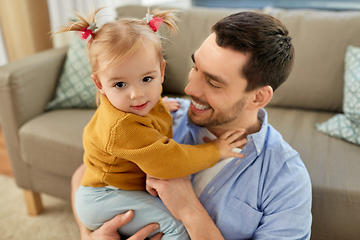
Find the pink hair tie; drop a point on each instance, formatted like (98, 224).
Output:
(87, 32)
(154, 22)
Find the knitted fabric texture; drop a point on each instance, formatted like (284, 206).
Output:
(121, 148)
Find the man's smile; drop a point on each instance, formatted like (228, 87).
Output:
(197, 107)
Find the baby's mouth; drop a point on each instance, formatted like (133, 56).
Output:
(141, 106)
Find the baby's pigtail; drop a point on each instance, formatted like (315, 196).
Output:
(169, 18)
(85, 25)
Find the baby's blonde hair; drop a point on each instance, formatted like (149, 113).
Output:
(116, 41)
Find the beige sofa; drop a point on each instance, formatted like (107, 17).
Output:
(45, 147)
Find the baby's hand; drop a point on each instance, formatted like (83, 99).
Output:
(172, 105)
(228, 141)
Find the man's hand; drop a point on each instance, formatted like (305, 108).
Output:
(177, 194)
(179, 197)
(108, 231)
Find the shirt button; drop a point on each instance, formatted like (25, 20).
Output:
(161, 109)
(259, 150)
(211, 189)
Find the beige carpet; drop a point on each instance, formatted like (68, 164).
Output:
(56, 222)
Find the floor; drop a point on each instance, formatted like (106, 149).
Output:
(5, 166)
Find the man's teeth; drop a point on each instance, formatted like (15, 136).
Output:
(199, 106)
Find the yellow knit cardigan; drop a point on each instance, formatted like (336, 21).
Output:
(121, 148)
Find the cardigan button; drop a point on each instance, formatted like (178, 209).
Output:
(161, 109)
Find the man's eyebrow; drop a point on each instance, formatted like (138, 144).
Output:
(216, 78)
(192, 57)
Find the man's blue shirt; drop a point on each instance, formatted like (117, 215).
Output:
(265, 195)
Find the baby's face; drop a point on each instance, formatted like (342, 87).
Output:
(134, 86)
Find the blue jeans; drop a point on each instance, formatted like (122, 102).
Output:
(95, 206)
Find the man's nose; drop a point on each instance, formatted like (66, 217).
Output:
(137, 93)
(194, 87)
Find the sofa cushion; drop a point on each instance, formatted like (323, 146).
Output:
(75, 88)
(341, 127)
(333, 165)
(320, 39)
(53, 141)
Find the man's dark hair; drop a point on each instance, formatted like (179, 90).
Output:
(267, 41)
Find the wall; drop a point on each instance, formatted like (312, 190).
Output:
(309, 4)
(25, 27)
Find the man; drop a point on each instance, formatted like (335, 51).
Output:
(265, 195)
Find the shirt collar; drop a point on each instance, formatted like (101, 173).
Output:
(258, 138)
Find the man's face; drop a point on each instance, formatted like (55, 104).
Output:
(216, 87)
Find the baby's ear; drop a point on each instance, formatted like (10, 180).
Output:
(162, 69)
(97, 83)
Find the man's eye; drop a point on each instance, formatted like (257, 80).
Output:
(147, 79)
(213, 85)
(195, 68)
(120, 85)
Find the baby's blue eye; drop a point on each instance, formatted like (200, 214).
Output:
(147, 79)
(120, 85)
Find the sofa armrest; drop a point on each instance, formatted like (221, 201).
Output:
(26, 86)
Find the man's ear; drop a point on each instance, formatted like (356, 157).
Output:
(97, 83)
(162, 69)
(262, 97)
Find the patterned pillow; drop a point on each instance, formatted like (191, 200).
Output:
(347, 126)
(352, 84)
(75, 88)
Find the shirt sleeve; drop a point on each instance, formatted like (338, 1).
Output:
(286, 203)
(159, 156)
